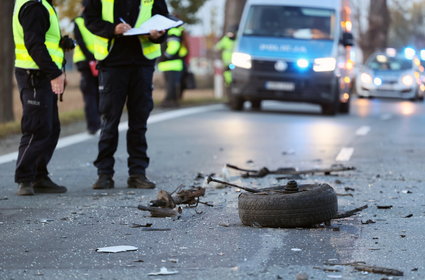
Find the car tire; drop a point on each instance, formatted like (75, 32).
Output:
(236, 103)
(312, 204)
(256, 105)
(329, 109)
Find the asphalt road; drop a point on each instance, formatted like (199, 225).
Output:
(56, 236)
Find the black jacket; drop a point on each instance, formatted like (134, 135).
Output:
(35, 22)
(126, 49)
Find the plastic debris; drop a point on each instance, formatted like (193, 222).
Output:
(163, 271)
(116, 249)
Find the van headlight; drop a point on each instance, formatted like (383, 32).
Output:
(407, 80)
(326, 64)
(242, 60)
(366, 79)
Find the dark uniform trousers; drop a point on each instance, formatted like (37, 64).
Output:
(40, 125)
(173, 83)
(90, 88)
(118, 85)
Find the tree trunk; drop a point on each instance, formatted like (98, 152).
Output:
(233, 13)
(6, 58)
(379, 21)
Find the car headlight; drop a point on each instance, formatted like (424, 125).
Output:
(407, 80)
(366, 79)
(242, 60)
(326, 64)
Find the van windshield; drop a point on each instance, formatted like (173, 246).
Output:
(290, 22)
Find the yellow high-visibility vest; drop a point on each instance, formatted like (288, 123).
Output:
(88, 39)
(52, 38)
(103, 45)
(174, 47)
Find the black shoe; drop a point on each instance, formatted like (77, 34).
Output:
(46, 185)
(140, 182)
(104, 181)
(25, 189)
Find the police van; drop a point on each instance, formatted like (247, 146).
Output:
(291, 50)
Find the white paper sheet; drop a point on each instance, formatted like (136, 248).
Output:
(157, 22)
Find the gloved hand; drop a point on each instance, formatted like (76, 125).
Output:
(67, 43)
(93, 68)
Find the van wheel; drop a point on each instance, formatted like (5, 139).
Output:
(344, 108)
(256, 105)
(236, 102)
(312, 204)
(329, 109)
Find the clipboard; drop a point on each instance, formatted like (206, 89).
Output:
(157, 22)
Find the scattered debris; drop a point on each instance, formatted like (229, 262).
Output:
(327, 269)
(141, 226)
(163, 271)
(116, 249)
(368, 222)
(210, 179)
(159, 212)
(296, 249)
(347, 189)
(189, 197)
(166, 203)
(156, 229)
(379, 270)
(409, 216)
(361, 266)
(350, 213)
(384, 206)
(288, 171)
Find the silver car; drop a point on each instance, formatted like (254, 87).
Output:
(393, 76)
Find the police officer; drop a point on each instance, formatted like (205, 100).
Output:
(39, 51)
(126, 66)
(226, 46)
(172, 63)
(86, 65)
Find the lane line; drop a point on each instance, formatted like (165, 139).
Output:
(155, 118)
(345, 154)
(362, 131)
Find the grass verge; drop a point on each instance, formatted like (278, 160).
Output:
(14, 127)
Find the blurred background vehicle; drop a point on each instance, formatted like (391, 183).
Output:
(391, 74)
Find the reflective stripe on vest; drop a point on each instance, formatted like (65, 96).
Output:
(52, 38)
(171, 65)
(175, 51)
(104, 45)
(88, 39)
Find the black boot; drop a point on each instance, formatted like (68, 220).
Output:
(46, 185)
(140, 182)
(104, 181)
(25, 189)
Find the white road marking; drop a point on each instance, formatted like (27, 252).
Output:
(155, 118)
(362, 131)
(345, 154)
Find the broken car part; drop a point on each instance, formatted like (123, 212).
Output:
(293, 206)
